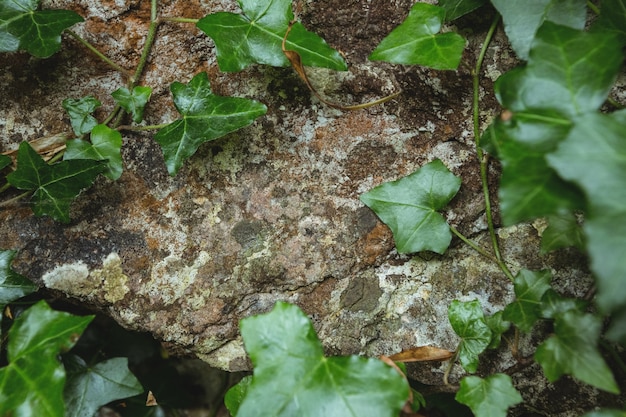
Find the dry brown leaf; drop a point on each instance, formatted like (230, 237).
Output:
(422, 354)
(47, 146)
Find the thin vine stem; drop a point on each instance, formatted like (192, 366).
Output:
(142, 128)
(179, 19)
(99, 54)
(482, 158)
(15, 199)
(147, 48)
(472, 244)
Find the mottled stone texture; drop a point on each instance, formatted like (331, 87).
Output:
(270, 212)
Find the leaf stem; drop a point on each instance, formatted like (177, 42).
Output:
(593, 7)
(472, 244)
(179, 19)
(5, 187)
(15, 199)
(143, 60)
(479, 152)
(99, 54)
(142, 128)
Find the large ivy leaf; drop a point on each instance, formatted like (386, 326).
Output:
(523, 18)
(133, 101)
(12, 284)
(292, 377)
(457, 8)
(417, 41)
(106, 144)
(87, 388)
(234, 397)
(23, 27)
(32, 383)
(54, 186)
(409, 207)
(206, 117)
(529, 287)
(563, 231)
(612, 19)
(468, 321)
(573, 350)
(594, 157)
(80, 111)
(489, 397)
(256, 36)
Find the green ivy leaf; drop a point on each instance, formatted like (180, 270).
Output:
(468, 321)
(523, 18)
(554, 304)
(256, 36)
(457, 8)
(12, 284)
(23, 27)
(409, 207)
(206, 117)
(612, 19)
(573, 350)
(594, 157)
(417, 41)
(498, 326)
(80, 111)
(89, 387)
(33, 381)
(292, 376)
(489, 397)
(106, 144)
(569, 72)
(5, 161)
(529, 287)
(563, 231)
(54, 186)
(134, 101)
(235, 395)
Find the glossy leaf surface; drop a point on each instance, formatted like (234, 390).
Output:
(134, 102)
(205, 117)
(594, 157)
(417, 41)
(573, 350)
(87, 388)
(80, 111)
(12, 284)
(23, 27)
(612, 19)
(523, 18)
(256, 36)
(54, 186)
(32, 383)
(292, 377)
(105, 145)
(563, 231)
(410, 205)
(457, 8)
(468, 321)
(498, 325)
(529, 287)
(489, 397)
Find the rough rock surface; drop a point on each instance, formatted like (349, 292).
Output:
(270, 212)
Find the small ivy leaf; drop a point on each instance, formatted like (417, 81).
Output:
(54, 186)
(105, 145)
(569, 71)
(12, 284)
(554, 304)
(612, 19)
(529, 287)
(573, 350)
(5, 161)
(293, 377)
(498, 326)
(206, 117)
(457, 8)
(256, 37)
(417, 41)
(594, 157)
(529, 187)
(522, 19)
(133, 102)
(89, 387)
(34, 378)
(468, 321)
(23, 27)
(563, 231)
(80, 111)
(409, 207)
(236, 394)
(489, 397)
(606, 413)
